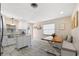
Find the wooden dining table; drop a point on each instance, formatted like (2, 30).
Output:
(56, 39)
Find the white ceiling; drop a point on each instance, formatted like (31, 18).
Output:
(44, 11)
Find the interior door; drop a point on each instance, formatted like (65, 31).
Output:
(1, 30)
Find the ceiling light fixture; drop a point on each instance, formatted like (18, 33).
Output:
(61, 12)
(34, 5)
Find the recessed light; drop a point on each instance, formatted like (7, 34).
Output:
(61, 12)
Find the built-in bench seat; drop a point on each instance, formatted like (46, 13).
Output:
(68, 49)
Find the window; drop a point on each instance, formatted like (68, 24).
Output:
(49, 29)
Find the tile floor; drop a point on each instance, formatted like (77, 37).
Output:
(37, 49)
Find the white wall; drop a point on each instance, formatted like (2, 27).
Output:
(37, 33)
(22, 25)
(62, 32)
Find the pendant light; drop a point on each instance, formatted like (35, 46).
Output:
(12, 21)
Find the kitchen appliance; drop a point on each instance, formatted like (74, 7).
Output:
(1, 31)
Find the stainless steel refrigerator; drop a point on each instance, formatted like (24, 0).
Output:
(1, 30)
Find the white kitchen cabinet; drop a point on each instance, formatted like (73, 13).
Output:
(23, 41)
(8, 41)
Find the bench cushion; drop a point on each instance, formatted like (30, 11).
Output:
(68, 46)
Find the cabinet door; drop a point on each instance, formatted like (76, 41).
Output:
(22, 41)
(11, 41)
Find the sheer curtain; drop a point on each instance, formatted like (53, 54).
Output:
(49, 29)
